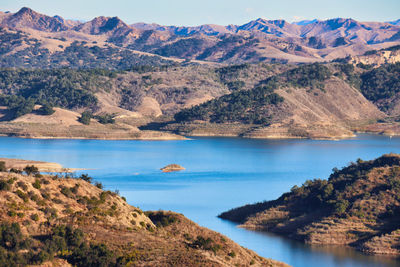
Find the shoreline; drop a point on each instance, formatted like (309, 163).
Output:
(43, 166)
(188, 137)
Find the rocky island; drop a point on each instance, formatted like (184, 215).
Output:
(172, 168)
(358, 206)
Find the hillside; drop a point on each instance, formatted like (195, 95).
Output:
(61, 221)
(357, 206)
(390, 55)
(38, 40)
(249, 100)
(314, 101)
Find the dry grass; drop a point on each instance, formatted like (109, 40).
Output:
(41, 203)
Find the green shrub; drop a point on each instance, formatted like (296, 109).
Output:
(22, 195)
(37, 184)
(93, 255)
(12, 213)
(162, 220)
(66, 191)
(31, 170)
(86, 178)
(15, 171)
(22, 185)
(341, 206)
(46, 109)
(3, 166)
(35, 217)
(85, 117)
(206, 244)
(11, 236)
(4, 186)
(99, 185)
(105, 118)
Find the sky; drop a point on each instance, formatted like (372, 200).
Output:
(222, 12)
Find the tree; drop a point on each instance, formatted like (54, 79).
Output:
(86, 178)
(85, 117)
(31, 170)
(46, 109)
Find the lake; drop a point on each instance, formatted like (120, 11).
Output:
(221, 173)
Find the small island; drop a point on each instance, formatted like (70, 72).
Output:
(172, 168)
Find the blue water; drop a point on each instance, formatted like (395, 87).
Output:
(221, 173)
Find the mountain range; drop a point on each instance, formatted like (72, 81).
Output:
(255, 41)
(153, 80)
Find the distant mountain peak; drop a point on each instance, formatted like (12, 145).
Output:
(336, 23)
(28, 18)
(60, 19)
(25, 10)
(102, 25)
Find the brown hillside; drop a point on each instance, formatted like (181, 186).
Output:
(357, 206)
(51, 209)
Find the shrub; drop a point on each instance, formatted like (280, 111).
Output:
(4, 186)
(37, 184)
(15, 171)
(66, 191)
(3, 166)
(46, 109)
(86, 178)
(35, 217)
(11, 236)
(31, 170)
(11, 213)
(162, 220)
(22, 185)
(93, 255)
(85, 117)
(105, 118)
(341, 206)
(22, 195)
(99, 185)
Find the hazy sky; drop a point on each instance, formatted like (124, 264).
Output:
(223, 12)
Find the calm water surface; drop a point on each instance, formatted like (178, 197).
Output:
(221, 173)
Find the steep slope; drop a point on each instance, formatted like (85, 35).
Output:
(62, 221)
(357, 206)
(377, 58)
